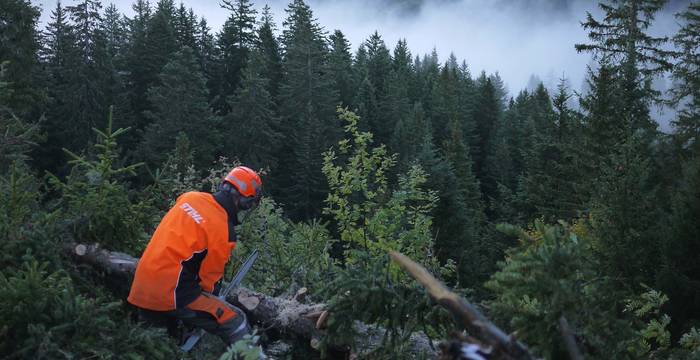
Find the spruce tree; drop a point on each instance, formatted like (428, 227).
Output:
(307, 108)
(185, 26)
(340, 67)
(19, 46)
(141, 74)
(205, 48)
(552, 162)
(623, 205)
(252, 130)
(379, 65)
(686, 71)
(180, 105)
(268, 48)
(234, 43)
(445, 110)
(408, 136)
(399, 84)
(94, 70)
(486, 117)
(621, 41)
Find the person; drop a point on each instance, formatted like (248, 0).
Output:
(178, 275)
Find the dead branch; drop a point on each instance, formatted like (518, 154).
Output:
(466, 313)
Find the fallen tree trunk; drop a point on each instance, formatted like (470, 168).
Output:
(288, 317)
(503, 346)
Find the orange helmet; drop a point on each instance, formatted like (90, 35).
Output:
(247, 183)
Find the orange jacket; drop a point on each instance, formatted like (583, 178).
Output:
(186, 254)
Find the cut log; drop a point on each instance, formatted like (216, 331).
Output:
(287, 316)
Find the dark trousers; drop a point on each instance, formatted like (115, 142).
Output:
(207, 312)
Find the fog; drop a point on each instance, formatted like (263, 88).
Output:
(516, 38)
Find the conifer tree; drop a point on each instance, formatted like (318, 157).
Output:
(181, 80)
(141, 75)
(552, 162)
(234, 43)
(19, 46)
(680, 275)
(621, 41)
(307, 108)
(445, 108)
(252, 132)
(408, 136)
(686, 71)
(340, 67)
(366, 105)
(185, 26)
(378, 71)
(269, 49)
(93, 72)
(114, 26)
(401, 78)
(623, 210)
(486, 117)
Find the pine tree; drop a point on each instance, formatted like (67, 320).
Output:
(366, 105)
(549, 187)
(398, 102)
(180, 105)
(686, 71)
(234, 43)
(408, 137)
(340, 67)
(486, 117)
(379, 64)
(269, 48)
(94, 70)
(114, 27)
(446, 108)
(253, 135)
(19, 46)
(680, 274)
(205, 48)
(307, 109)
(621, 42)
(185, 26)
(623, 207)
(141, 74)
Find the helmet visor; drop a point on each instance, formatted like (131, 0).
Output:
(249, 202)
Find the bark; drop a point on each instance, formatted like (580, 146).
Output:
(287, 316)
(468, 315)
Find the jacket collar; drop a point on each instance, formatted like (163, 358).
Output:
(224, 199)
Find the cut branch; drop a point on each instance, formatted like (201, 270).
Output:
(466, 313)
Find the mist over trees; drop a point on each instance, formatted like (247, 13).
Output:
(532, 207)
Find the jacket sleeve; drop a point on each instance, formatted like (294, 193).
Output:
(212, 268)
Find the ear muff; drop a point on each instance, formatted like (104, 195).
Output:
(242, 202)
(248, 202)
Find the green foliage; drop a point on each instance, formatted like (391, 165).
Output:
(553, 275)
(244, 349)
(24, 228)
(292, 255)
(44, 317)
(371, 219)
(180, 79)
(95, 201)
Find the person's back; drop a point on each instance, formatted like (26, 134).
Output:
(176, 276)
(189, 246)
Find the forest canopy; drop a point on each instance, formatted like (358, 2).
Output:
(536, 205)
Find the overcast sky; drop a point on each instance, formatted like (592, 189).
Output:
(517, 38)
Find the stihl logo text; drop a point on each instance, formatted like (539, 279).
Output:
(192, 213)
